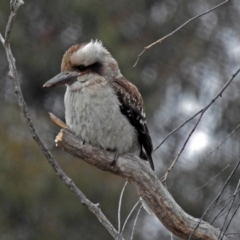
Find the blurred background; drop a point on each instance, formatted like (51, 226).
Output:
(177, 78)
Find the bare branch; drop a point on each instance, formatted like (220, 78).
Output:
(149, 187)
(219, 94)
(228, 165)
(232, 201)
(234, 213)
(202, 111)
(119, 207)
(222, 211)
(129, 215)
(94, 208)
(2, 39)
(57, 121)
(14, 6)
(164, 178)
(223, 141)
(216, 199)
(177, 29)
(176, 129)
(218, 204)
(135, 222)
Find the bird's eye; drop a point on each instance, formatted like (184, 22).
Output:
(81, 68)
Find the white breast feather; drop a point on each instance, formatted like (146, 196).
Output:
(94, 115)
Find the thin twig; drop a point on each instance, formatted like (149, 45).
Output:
(223, 141)
(94, 208)
(14, 6)
(129, 215)
(135, 222)
(232, 201)
(176, 129)
(214, 202)
(164, 178)
(177, 29)
(232, 234)
(219, 94)
(218, 204)
(234, 213)
(223, 188)
(222, 212)
(2, 39)
(202, 111)
(57, 121)
(204, 185)
(119, 206)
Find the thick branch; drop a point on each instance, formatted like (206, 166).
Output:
(147, 184)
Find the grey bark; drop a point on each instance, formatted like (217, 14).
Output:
(149, 187)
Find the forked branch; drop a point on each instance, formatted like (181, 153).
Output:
(149, 187)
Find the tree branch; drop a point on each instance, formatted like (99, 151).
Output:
(201, 112)
(148, 186)
(94, 208)
(177, 29)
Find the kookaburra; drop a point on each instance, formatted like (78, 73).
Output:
(102, 107)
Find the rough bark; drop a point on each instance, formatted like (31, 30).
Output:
(149, 187)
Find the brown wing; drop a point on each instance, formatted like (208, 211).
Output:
(131, 105)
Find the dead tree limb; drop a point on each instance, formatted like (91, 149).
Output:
(148, 186)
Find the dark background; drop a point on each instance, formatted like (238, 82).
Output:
(176, 78)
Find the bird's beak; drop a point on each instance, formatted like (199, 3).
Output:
(62, 79)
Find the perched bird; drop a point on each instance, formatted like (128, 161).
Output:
(101, 106)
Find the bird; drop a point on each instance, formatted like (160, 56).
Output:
(102, 107)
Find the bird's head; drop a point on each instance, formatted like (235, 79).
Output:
(83, 61)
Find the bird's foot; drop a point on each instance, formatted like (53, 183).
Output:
(114, 161)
